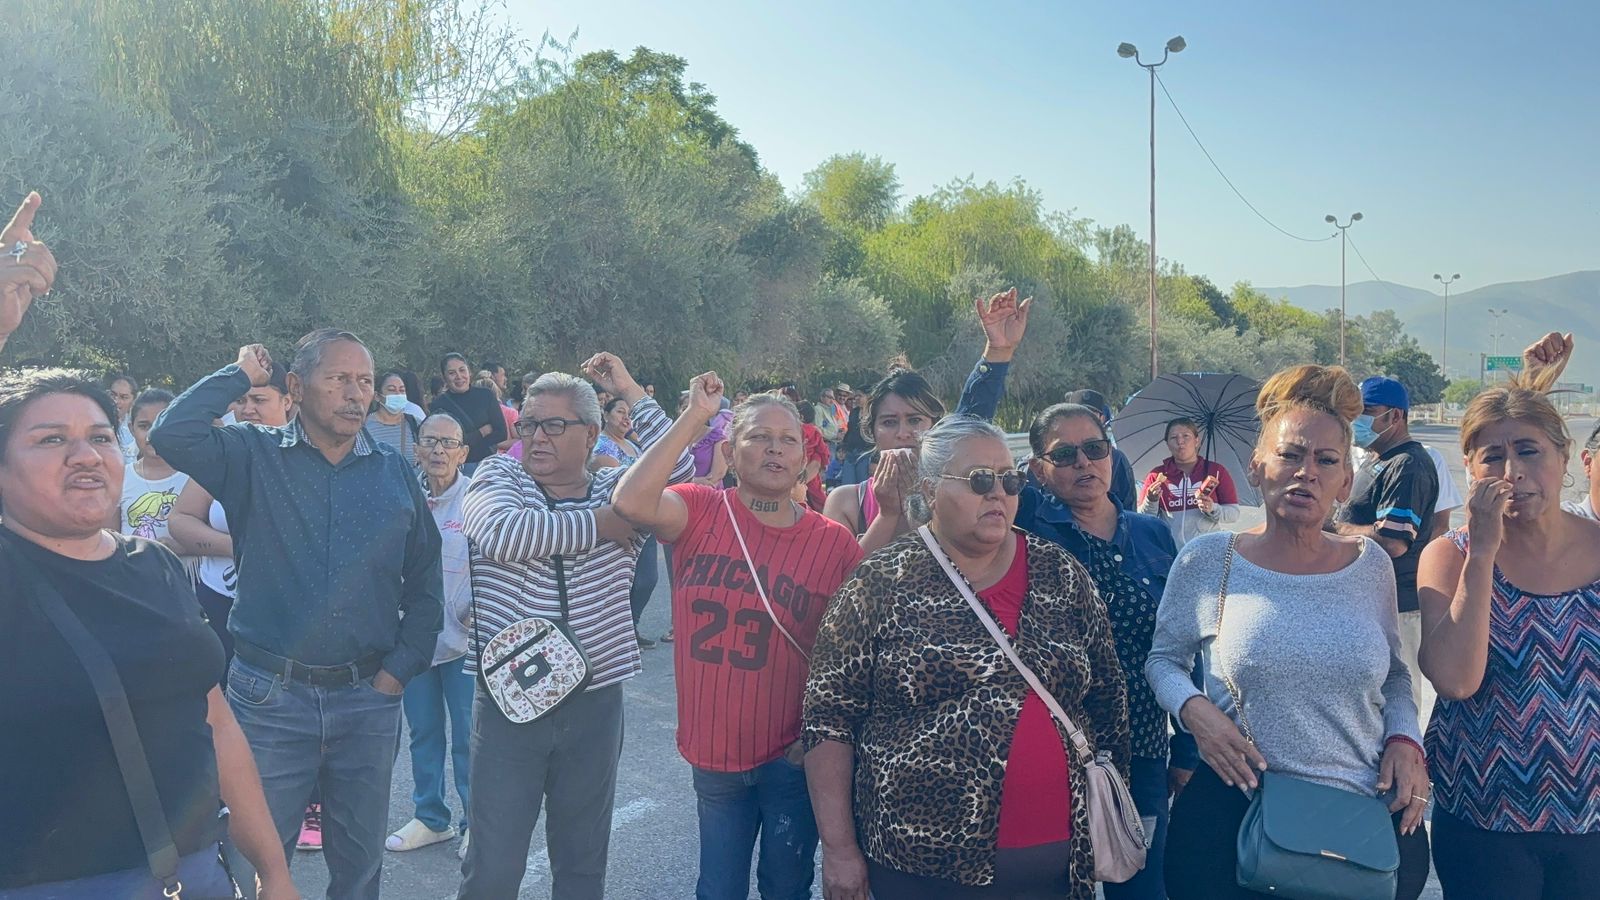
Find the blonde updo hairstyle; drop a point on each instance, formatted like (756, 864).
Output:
(1325, 389)
(1524, 399)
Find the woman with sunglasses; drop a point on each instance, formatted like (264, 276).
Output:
(1128, 555)
(935, 771)
(903, 406)
(1195, 495)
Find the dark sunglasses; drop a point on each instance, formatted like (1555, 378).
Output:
(982, 481)
(1067, 454)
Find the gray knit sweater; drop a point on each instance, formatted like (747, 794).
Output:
(1316, 659)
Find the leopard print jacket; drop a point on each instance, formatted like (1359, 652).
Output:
(906, 674)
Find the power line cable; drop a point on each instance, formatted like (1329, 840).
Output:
(1386, 285)
(1229, 181)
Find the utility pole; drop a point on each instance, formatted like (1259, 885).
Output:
(1129, 51)
(1344, 242)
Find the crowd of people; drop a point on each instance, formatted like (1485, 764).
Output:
(893, 640)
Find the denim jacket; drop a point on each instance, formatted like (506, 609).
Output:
(1147, 551)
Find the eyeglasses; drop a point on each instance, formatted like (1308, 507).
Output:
(429, 443)
(554, 427)
(1067, 454)
(982, 481)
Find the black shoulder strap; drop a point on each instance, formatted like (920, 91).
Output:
(159, 848)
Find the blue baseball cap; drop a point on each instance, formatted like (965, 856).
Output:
(1380, 391)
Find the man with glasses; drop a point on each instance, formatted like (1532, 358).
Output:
(544, 538)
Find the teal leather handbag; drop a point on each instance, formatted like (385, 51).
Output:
(1307, 841)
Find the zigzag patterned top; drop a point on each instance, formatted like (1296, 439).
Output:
(1523, 753)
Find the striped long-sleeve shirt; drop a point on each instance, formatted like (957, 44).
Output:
(519, 536)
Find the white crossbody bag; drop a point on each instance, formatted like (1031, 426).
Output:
(755, 577)
(1116, 833)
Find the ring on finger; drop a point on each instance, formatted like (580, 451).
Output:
(18, 250)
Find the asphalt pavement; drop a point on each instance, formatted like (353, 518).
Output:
(653, 844)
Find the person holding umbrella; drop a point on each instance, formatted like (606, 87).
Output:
(1192, 494)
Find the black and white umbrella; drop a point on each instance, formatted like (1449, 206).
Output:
(1223, 405)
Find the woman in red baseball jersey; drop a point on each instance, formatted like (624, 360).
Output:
(752, 572)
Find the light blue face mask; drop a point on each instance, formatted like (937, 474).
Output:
(395, 402)
(1364, 436)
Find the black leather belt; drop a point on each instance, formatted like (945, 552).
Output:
(320, 676)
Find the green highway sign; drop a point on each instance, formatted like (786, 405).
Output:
(1503, 363)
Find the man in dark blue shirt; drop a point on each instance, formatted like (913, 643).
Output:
(340, 588)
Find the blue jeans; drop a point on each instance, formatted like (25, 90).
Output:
(1148, 785)
(444, 687)
(735, 807)
(644, 579)
(346, 738)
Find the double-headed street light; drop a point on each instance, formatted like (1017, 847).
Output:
(1343, 242)
(1444, 330)
(1129, 51)
(1497, 315)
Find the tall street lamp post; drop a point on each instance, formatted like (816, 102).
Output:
(1343, 243)
(1497, 315)
(1129, 51)
(1444, 330)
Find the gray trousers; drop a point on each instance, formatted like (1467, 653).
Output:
(568, 760)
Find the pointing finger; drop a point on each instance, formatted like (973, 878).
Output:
(21, 226)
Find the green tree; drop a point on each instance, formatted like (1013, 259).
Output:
(911, 262)
(292, 129)
(146, 283)
(1416, 370)
(1462, 390)
(855, 196)
(853, 191)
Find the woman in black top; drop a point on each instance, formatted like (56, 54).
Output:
(70, 819)
(476, 408)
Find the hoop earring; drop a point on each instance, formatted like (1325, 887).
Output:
(1568, 481)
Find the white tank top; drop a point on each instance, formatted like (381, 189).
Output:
(217, 572)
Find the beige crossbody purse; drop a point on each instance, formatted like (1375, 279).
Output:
(1116, 833)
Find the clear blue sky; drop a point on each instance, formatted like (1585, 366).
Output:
(1466, 132)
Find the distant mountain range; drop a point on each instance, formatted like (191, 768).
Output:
(1568, 302)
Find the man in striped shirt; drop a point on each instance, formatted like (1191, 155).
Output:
(540, 527)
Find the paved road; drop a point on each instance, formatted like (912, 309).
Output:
(653, 847)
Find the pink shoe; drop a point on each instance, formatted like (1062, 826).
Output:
(311, 829)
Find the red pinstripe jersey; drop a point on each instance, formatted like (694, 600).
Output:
(740, 682)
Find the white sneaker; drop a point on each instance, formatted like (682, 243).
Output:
(461, 851)
(414, 835)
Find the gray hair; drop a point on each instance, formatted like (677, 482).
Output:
(938, 448)
(745, 413)
(309, 351)
(559, 384)
(444, 417)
